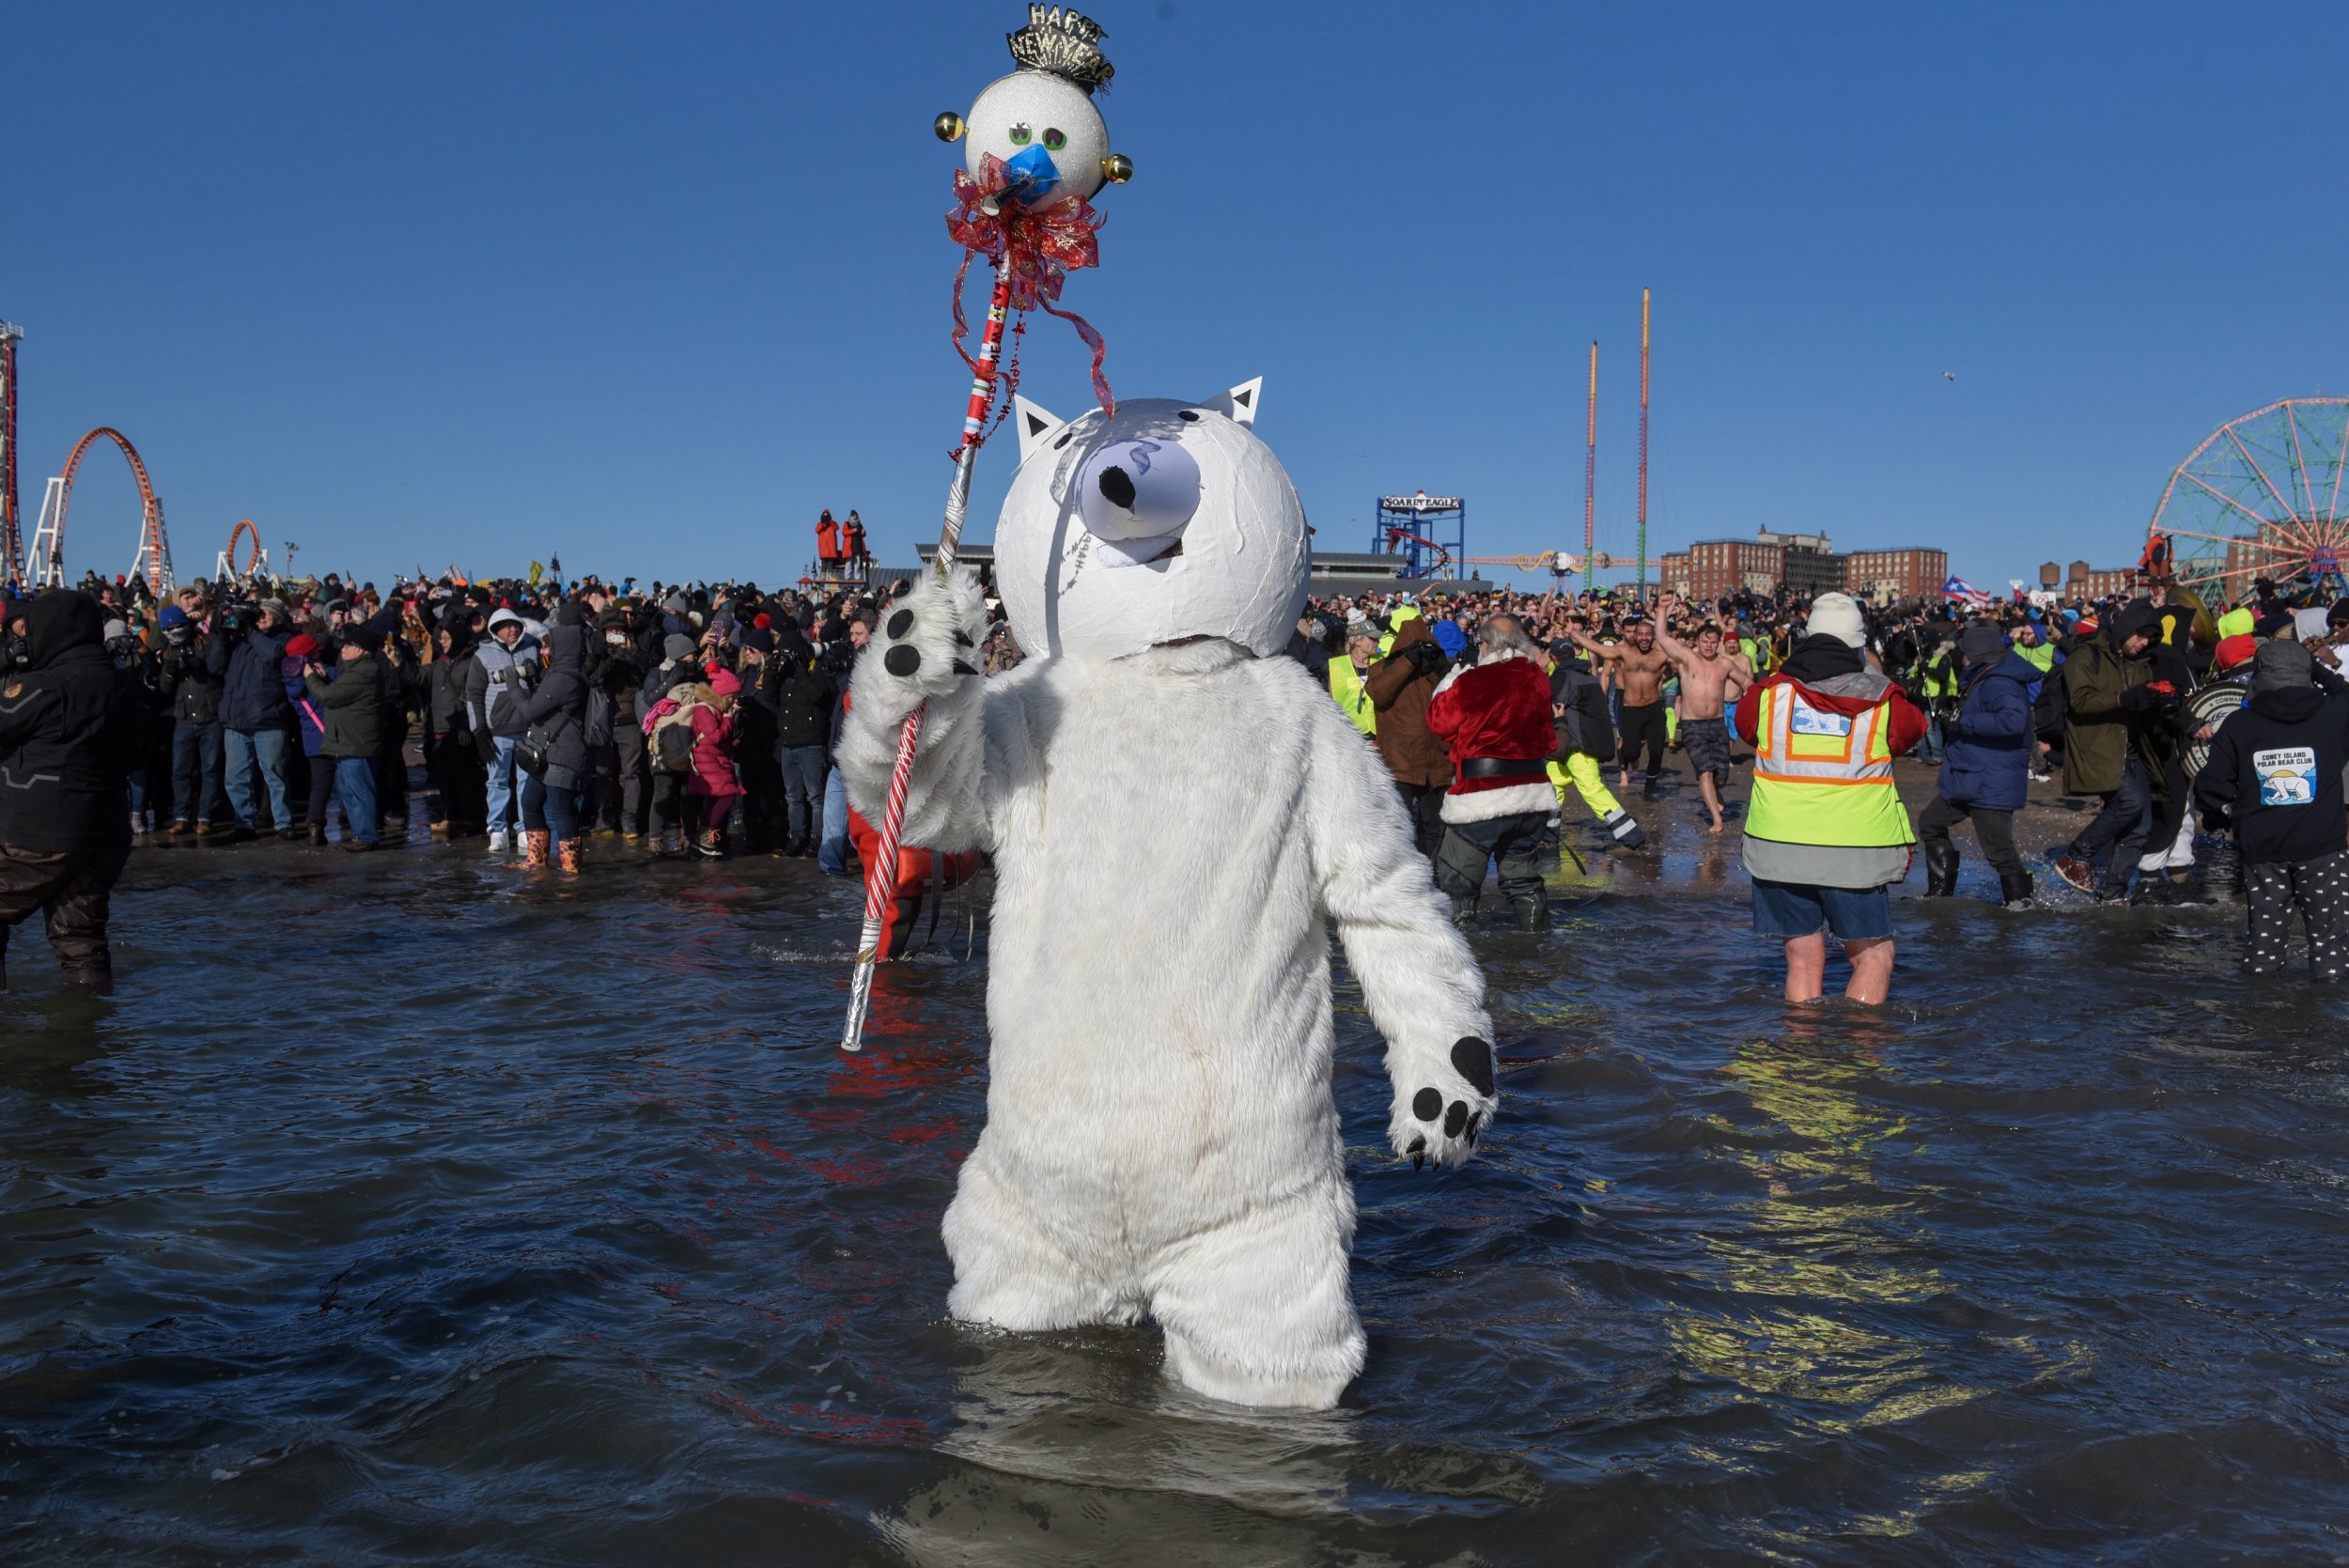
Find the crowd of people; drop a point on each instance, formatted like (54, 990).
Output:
(699, 720)
(2201, 734)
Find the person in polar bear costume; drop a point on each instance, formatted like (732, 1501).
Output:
(1175, 816)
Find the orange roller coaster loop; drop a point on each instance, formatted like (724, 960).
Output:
(252, 536)
(154, 554)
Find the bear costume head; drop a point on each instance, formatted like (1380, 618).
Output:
(1165, 523)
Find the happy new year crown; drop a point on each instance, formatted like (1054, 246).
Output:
(1059, 39)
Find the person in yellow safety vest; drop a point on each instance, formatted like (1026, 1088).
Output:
(1346, 670)
(1394, 623)
(1826, 833)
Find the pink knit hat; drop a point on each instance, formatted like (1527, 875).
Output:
(723, 683)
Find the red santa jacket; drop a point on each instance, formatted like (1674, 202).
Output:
(1496, 718)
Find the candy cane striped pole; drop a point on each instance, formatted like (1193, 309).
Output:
(880, 877)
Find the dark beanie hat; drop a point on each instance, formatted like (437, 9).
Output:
(2281, 667)
(1980, 643)
(757, 637)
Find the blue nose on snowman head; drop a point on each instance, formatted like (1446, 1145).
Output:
(1031, 174)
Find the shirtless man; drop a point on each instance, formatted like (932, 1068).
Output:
(1641, 665)
(1710, 680)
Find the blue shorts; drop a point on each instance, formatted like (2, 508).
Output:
(1787, 909)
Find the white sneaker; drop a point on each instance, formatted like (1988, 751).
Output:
(499, 842)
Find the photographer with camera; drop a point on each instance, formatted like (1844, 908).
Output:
(246, 652)
(199, 801)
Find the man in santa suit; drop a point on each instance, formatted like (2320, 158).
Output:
(1495, 717)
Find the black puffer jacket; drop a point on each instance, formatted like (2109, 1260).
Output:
(72, 728)
(559, 705)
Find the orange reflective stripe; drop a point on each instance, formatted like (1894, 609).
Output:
(1819, 779)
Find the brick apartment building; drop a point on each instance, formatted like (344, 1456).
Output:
(1883, 576)
(2093, 583)
(1806, 563)
(1711, 567)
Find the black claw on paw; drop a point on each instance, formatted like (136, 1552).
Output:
(1475, 1120)
(1418, 1160)
(963, 667)
(1428, 1104)
(1456, 1118)
(902, 660)
(901, 623)
(1474, 1061)
(1419, 1145)
(963, 637)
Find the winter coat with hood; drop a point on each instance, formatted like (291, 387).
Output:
(713, 749)
(252, 693)
(72, 728)
(1400, 686)
(2276, 765)
(2111, 712)
(559, 705)
(352, 700)
(2101, 731)
(498, 682)
(444, 712)
(1986, 761)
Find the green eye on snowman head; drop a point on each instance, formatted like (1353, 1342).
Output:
(1020, 133)
(1054, 138)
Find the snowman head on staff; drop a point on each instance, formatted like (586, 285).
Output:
(1039, 123)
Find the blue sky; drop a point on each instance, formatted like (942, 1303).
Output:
(648, 286)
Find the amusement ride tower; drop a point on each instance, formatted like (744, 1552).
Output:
(11, 540)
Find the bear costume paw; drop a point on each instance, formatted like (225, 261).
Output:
(1440, 1110)
(929, 642)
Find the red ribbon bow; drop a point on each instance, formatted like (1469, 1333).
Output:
(1044, 245)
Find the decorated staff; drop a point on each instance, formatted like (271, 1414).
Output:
(1036, 152)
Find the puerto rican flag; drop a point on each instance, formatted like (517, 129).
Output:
(1958, 588)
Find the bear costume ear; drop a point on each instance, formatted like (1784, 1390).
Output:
(1034, 424)
(1240, 404)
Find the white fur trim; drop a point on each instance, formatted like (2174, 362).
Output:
(1508, 801)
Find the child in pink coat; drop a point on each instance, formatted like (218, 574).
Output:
(712, 781)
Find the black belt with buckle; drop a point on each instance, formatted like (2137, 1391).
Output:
(1506, 768)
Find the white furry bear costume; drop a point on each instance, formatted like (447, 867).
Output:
(1174, 814)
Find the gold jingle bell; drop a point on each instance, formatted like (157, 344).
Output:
(949, 127)
(1117, 168)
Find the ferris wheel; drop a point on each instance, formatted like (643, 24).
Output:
(2261, 497)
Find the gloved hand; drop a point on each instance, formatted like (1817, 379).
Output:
(1426, 657)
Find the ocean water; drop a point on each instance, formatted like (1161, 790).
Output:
(411, 1209)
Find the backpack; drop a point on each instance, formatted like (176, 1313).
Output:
(2051, 708)
(598, 726)
(669, 736)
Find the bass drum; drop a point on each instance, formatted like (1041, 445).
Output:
(2209, 704)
